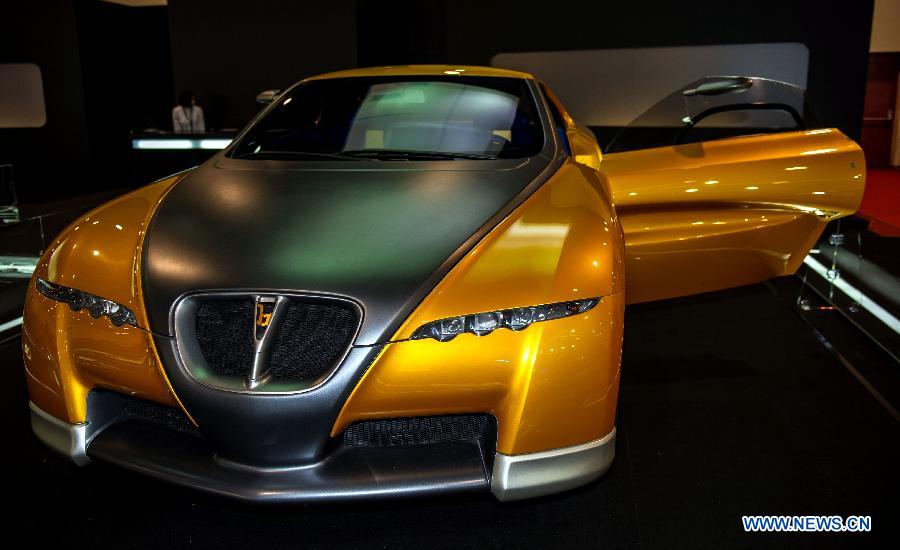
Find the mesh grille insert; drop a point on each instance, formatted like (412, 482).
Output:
(225, 335)
(158, 414)
(307, 342)
(310, 339)
(422, 430)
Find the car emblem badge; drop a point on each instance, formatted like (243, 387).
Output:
(264, 314)
(267, 311)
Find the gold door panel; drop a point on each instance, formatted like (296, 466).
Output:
(718, 214)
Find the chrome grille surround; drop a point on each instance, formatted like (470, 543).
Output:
(256, 377)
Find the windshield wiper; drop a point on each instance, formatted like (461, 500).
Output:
(392, 154)
(282, 155)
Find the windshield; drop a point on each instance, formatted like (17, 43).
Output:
(399, 118)
(716, 107)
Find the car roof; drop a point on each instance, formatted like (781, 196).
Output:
(422, 70)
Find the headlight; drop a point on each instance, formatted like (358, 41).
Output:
(480, 324)
(77, 300)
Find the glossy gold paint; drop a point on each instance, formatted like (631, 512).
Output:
(422, 70)
(724, 213)
(585, 149)
(695, 218)
(69, 353)
(561, 244)
(550, 385)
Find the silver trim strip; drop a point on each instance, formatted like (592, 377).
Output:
(262, 345)
(10, 324)
(69, 440)
(531, 475)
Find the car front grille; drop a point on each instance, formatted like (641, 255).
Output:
(419, 430)
(309, 340)
(225, 335)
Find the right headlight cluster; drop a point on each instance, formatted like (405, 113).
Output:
(96, 306)
(518, 318)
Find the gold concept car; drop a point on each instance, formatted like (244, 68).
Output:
(409, 280)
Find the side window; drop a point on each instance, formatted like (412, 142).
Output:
(735, 122)
(559, 125)
(717, 107)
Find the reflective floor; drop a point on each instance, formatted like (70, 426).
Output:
(858, 272)
(732, 403)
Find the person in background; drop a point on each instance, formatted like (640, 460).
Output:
(187, 116)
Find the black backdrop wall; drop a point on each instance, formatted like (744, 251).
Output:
(241, 49)
(227, 52)
(108, 68)
(127, 72)
(56, 154)
(836, 34)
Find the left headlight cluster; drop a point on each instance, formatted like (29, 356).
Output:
(518, 318)
(96, 306)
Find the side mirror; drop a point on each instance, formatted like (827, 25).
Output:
(267, 96)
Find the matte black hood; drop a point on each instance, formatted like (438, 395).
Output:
(380, 232)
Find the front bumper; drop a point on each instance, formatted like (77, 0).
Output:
(180, 455)
(530, 475)
(69, 440)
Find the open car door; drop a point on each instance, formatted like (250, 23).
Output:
(728, 181)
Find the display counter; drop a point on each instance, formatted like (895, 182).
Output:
(156, 155)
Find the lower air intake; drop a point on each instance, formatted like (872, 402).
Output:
(107, 407)
(170, 417)
(421, 430)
